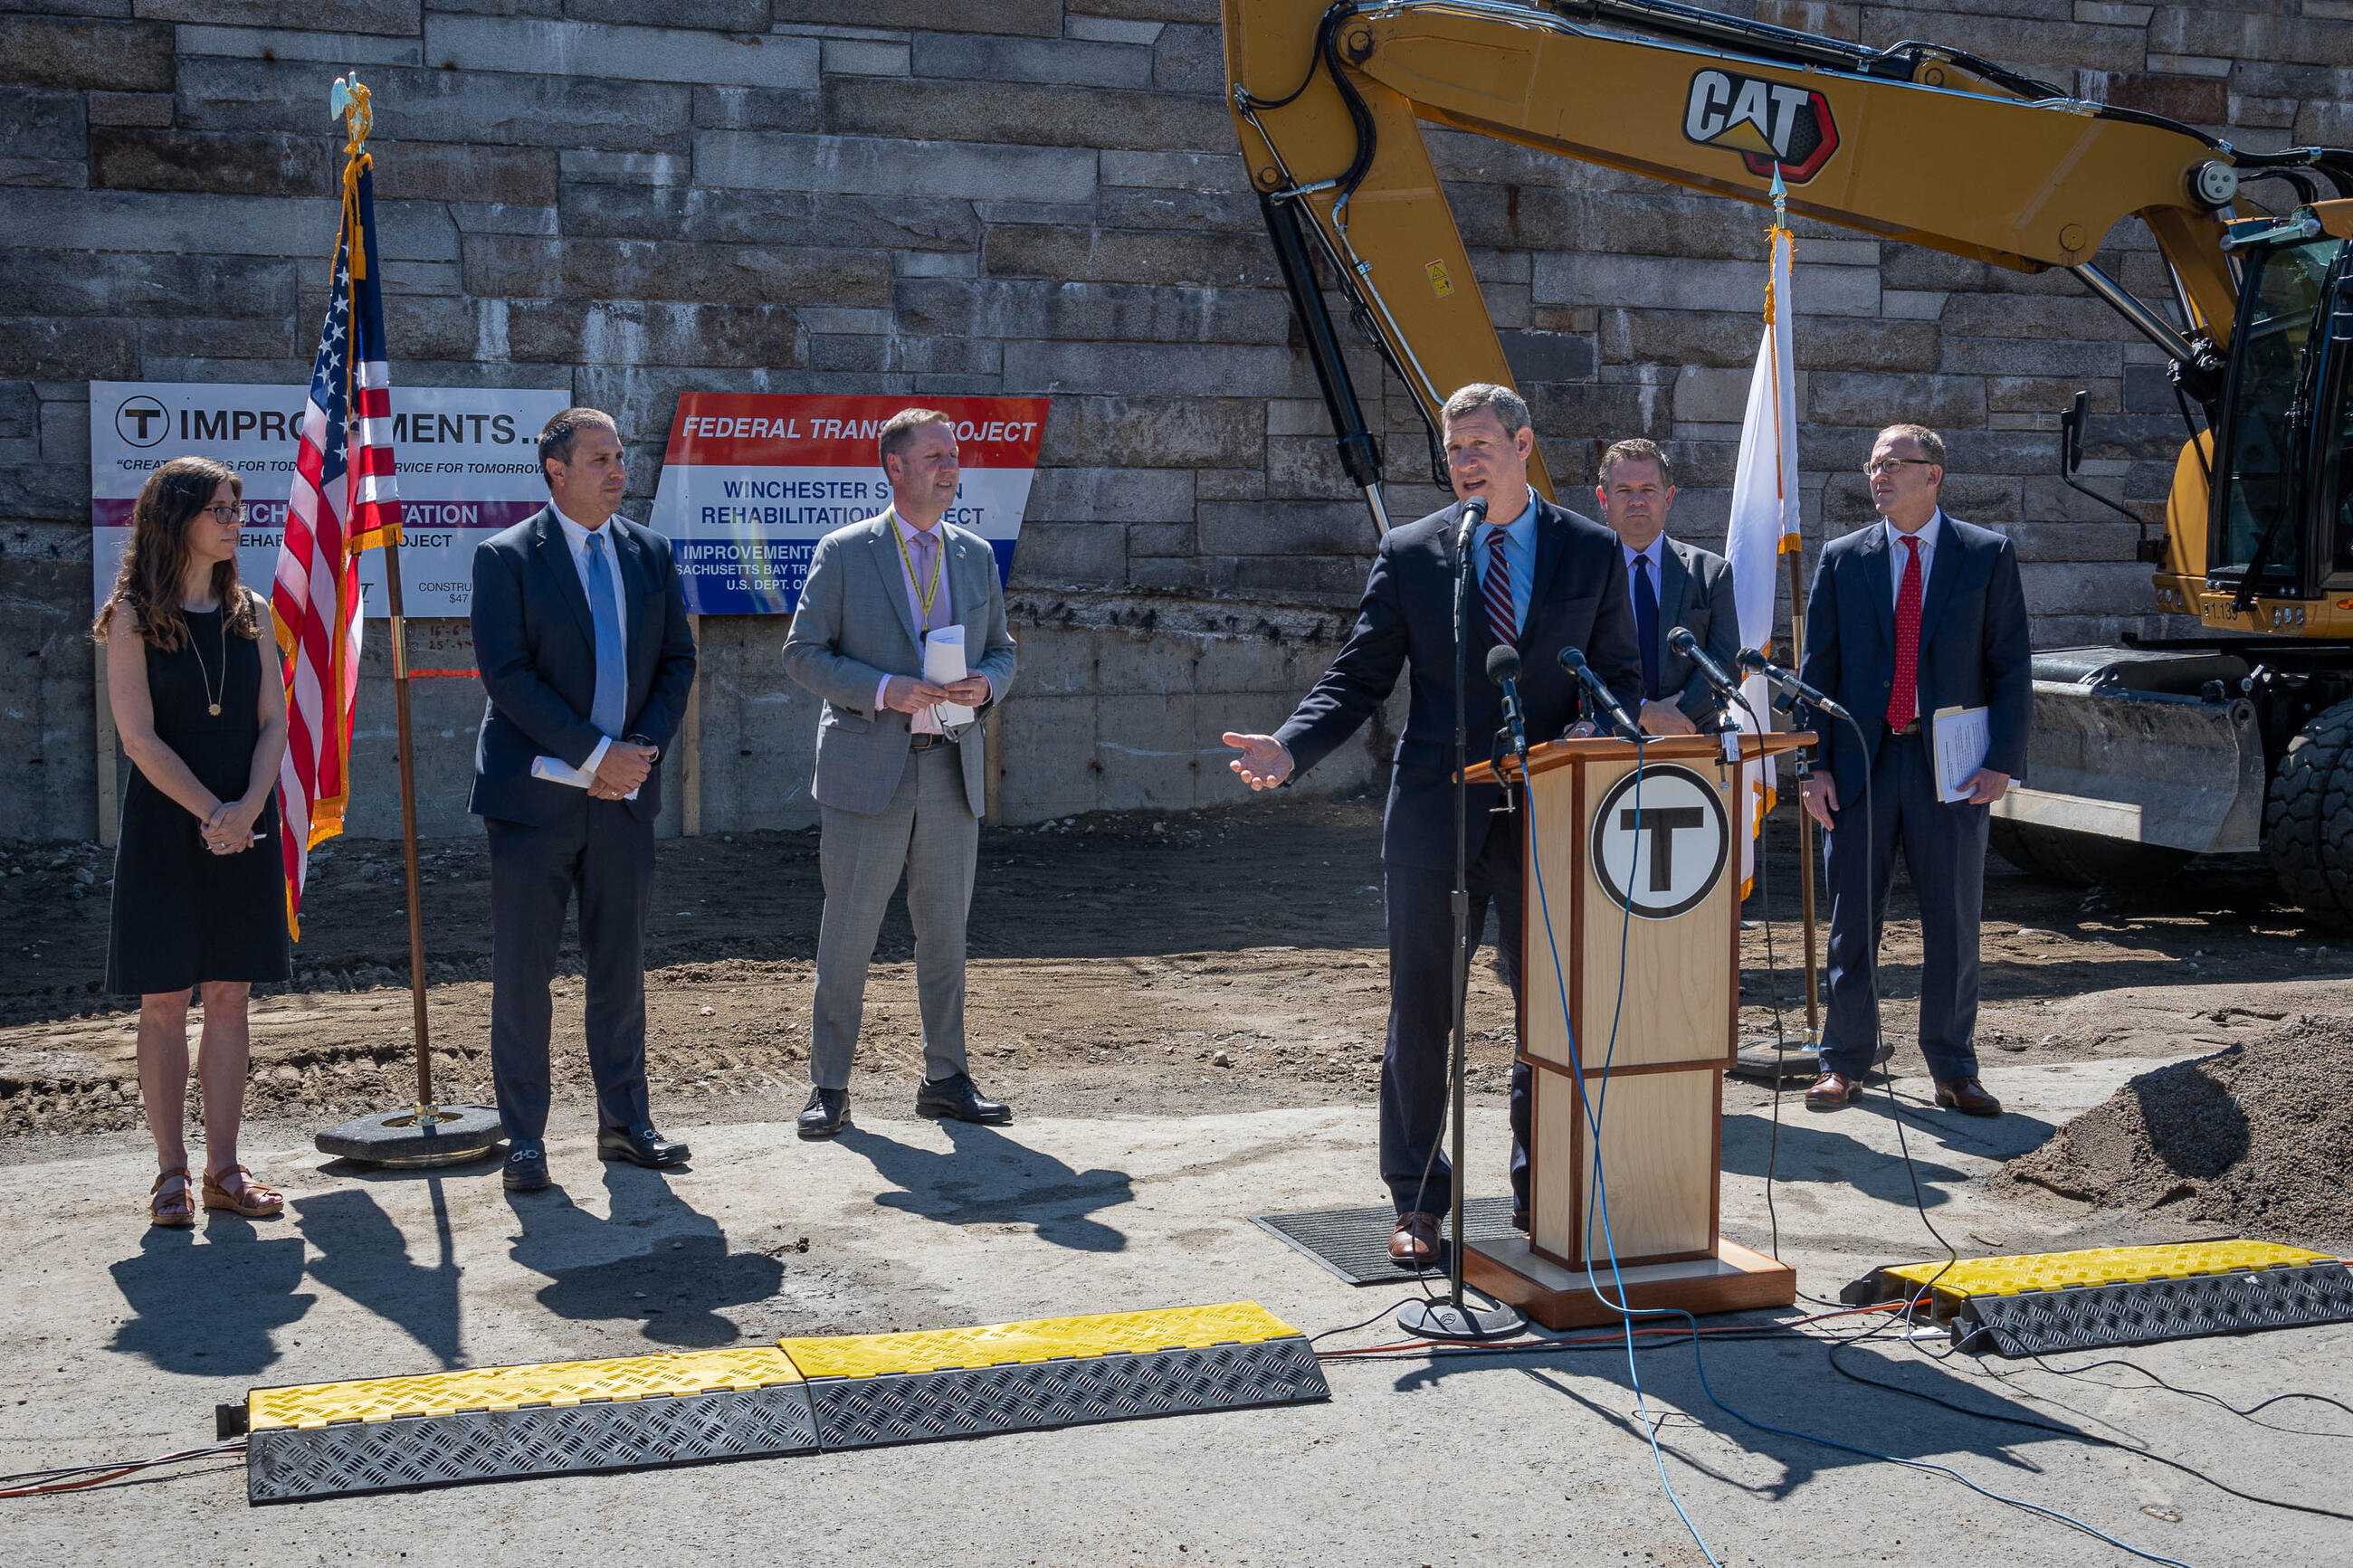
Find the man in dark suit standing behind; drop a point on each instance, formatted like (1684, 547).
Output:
(1671, 585)
(1917, 612)
(1548, 579)
(580, 631)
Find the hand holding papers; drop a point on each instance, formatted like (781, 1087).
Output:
(1960, 740)
(943, 665)
(556, 769)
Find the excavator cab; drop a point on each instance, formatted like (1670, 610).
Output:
(2282, 523)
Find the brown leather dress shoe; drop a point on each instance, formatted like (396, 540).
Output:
(1968, 1097)
(1832, 1091)
(1414, 1243)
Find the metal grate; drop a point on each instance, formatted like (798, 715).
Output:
(286, 1464)
(2037, 1322)
(1355, 1243)
(914, 1408)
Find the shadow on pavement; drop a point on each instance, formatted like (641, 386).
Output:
(989, 1179)
(661, 1260)
(1787, 1382)
(209, 1305)
(362, 1254)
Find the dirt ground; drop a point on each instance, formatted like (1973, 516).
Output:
(1223, 960)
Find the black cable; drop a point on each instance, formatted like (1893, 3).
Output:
(2247, 1414)
(2095, 1437)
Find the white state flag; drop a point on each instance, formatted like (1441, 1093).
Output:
(1764, 514)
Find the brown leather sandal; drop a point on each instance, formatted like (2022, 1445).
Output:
(172, 1210)
(250, 1199)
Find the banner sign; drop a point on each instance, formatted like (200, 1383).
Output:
(468, 462)
(753, 480)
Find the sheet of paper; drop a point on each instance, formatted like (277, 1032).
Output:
(556, 769)
(943, 665)
(1960, 737)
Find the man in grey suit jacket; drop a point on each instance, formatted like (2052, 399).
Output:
(897, 789)
(1670, 584)
(579, 620)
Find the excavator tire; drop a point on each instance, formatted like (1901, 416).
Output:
(2083, 859)
(2308, 820)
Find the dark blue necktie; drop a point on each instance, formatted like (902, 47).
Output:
(1646, 624)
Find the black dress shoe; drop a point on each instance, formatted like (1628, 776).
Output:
(828, 1109)
(639, 1146)
(958, 1099)
(526, 1168)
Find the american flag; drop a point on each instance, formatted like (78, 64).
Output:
(344, 501)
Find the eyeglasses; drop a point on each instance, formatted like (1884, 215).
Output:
(235, 513)
(1888, 466)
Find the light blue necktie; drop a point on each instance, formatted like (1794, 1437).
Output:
(611, 710)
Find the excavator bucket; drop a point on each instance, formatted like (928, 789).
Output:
(2143, 746)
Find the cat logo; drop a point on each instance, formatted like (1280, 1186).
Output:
(1770, 125)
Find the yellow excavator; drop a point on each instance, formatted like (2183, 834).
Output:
(2236, 739)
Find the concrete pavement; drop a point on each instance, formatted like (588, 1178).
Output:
(121, 1340)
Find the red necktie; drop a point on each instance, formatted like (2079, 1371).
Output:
(1903, 696)
(1500, 622)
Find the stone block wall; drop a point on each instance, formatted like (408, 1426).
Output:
(625, 199)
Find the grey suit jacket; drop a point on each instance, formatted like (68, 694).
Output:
(1695, 591)
(854, 626)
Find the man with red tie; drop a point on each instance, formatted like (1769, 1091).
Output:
(1917, 613)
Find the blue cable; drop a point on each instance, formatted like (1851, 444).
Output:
(1626, 1314)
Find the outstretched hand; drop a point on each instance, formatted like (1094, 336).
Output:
(1264, 763)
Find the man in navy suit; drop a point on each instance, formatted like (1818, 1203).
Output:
(1672, 585)
(580, 631)
(1917, 612)
(1548, 579)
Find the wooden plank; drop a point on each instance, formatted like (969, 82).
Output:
(1734, 1279)
(103, 704)
(992, 765)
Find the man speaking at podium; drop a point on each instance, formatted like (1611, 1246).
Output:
(1547, 580)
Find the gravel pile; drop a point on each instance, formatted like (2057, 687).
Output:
(2257, 1139)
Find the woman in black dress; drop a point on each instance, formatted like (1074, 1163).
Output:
(199, 878)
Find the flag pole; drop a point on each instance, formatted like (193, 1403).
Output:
(426, 1107)
(1796, 651)
(429, 1133)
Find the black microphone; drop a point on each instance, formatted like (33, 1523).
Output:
(1474, 512)
(1572, 659)
(1503, 670)
(1783, 681)
(1683, 642)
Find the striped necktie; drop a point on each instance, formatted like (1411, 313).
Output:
(1502, 622)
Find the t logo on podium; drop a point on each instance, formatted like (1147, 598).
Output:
(1663, 833)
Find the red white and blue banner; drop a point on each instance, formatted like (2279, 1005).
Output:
(467, 466)
(753, 480)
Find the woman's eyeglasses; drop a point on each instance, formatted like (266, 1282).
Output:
(234, 512)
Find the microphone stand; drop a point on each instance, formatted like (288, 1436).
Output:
(1454, 1319)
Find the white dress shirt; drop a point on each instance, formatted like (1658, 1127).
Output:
(942, 600)
(1655, 553)
(1927, 538)
(577, 538)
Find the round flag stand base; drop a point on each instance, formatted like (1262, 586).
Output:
(1799, 1058)
(417, 1138)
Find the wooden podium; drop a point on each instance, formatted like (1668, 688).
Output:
(1642, 876)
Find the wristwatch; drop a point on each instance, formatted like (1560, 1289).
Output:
(648, 745)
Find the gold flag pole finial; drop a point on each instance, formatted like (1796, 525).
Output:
(348, 102)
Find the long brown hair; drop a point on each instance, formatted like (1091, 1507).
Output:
(155, 568)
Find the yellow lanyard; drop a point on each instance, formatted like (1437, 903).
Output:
(924, 592)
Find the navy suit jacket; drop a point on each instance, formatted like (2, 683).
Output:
(1974, 650)
(1579, 599)
(536, 647)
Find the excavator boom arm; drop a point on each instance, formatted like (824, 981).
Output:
(1915, 143)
